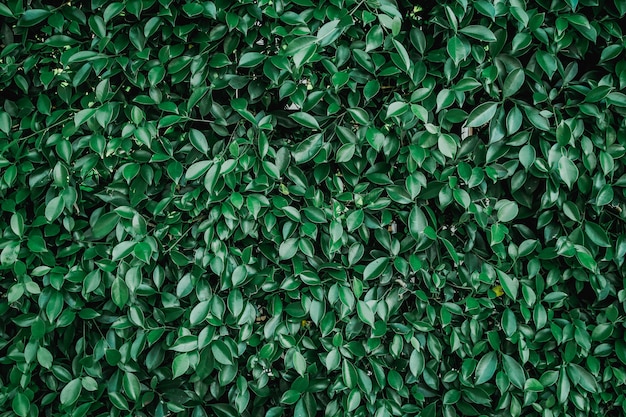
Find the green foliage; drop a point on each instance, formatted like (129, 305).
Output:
(343, 207)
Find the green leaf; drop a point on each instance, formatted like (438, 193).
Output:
(44, 357)
(371, 89)
(547, 62)
(563, 387)
(447, 145)
(563, 134)
(299, 363)
(584, 378)
(10, 254)
(305, 119)
(527, 156)
(345, 152)
(5, 122)
(122, 250)
(290, 397)
(397, 108)
(481, 33)
(417, 222)
(105, 225)
(5, 11)
(586, 259)
(199, 313)
(359, 115)
(333, 359)
(288, 249)
(458, 49)
(185, 344)
(240, 274)
(602, 332)
(132, 386)
(54, 208)
(482, 114)
(198, 169)
(451, 397)
(32, 17)
(354, 400)
(355, 220)
(404, 55)
(221, 353)
(308, 149)
(365, 313)
(17, 224)
(119, 292)
(328, 33)
(507, 211)
(605, 195)
(509, 285)
(533, 385)
(498, 232)
(598, 93)
(251, 59)
(375, 268)
(21, 405)
(71, 392)
(180, 365)
(568, 171)
(597, 235)
(420, 112)
(620, 350)
(616, 99)
(83, 116)
(374, 38)
(198, 140)
(298, 44)
(486, 368)
(513, 82)
(514, 371)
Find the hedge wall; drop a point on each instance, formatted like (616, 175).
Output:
(300, 208)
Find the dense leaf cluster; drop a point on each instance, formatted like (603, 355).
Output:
(298, 207)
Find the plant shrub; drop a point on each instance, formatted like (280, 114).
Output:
(273, 207)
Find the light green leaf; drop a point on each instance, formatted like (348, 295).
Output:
(54, 208)
(132, 386)
(507, 211)
(375, 268)
(5, 122)
(71, 392)
(513, 82)
(299, 363)
(486, 368)
(365, 313)
(308, 149)
(221, 353)
(458, 49)
(374, 38)
(198, 140)
(404, 55)
(288, 249)
(447, 145)
(481, 33)
(198, 169)
(482, 114)
(305, 119)
(328, 33)
(21, 405)
(514, 371)
(510, 285)
(417, 222)
(397, 108)
(568, 171)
